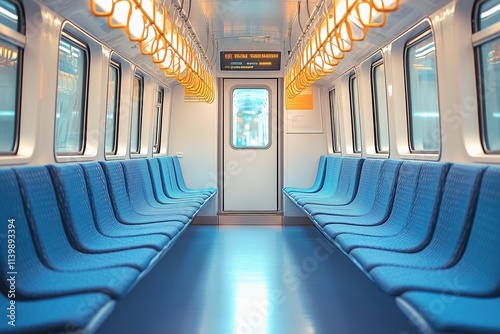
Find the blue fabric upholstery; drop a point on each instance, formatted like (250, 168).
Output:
(34, 279)
(179, 178)
(54, 238)
(104, 215)
(329, 187)
(318, 182)
(450, 232)
(374, 208)
(477, 273)
(346, 187)
(76, 211)
(413, 215)
(127, 206)
(62, 314)
(164, 192)
(141, 192)
(446, 313)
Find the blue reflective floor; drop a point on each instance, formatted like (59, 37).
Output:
(254, 279)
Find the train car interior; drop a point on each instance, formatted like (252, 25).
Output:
(249, 166)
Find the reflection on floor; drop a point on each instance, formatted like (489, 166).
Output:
(252, 280)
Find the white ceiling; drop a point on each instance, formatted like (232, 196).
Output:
(247, 24)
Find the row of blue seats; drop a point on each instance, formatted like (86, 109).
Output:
(426, 232)
(75, 238)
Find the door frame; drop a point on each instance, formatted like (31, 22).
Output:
(249, 217)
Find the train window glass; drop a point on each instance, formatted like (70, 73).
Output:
(112, 108)
(334, 116)
(489, 14)
(488, 63)
(422, 95)
(250, 118)
(71, 96)
(137, 94)
(158, 120)
(380, 108)
(356, 127)
(10, 74)
(9, 15)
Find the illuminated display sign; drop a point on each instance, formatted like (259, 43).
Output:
(250, 61)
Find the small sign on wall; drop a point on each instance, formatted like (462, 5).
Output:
(192, 98)
(301, 115)
(303, 101)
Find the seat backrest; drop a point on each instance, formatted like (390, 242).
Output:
(368, 181)
(348, 179)
(482, 251)
(332, 173)
(44, 217)
(13, 217)
(138, 180)
(98, 191)
(426, 201)
(74, 203)
(456, 211)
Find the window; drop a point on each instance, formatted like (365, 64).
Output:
(334, 115)
(112, 107)
(486, 14)
(10, 77)
(422, 95)
(71, 96)
(250, 118)
(380, 122)
(158, 120)
(137, 94)
(355, 119)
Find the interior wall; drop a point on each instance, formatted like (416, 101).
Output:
(193, 135)
(304, 142)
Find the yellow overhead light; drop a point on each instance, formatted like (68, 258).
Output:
(150, 25)
(334, 34)
(8, 55)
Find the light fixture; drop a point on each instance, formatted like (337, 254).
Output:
(157, 33)
(329, 36)
(8, 55)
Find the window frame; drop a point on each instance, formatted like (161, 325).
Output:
(158, 120)
(426, 33)
(355, 118)
(85, 97)
(376, 129)
(484, 36)
(113, 64)
(140, 78)
(269, 121)
(335, 121)
(18, 39)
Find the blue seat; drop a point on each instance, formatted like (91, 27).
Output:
(318, 182)
(141, 193)
(446, 313)
(127, 208)
(450, 230)
(104, 214)
(60, 245)
(76, 211)
(163, 191)
(477, 272)
(179, 178)
(371, 207)
(329, 186)
(76, 313)
(413, 214)
(346, 186)
(35, 278)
